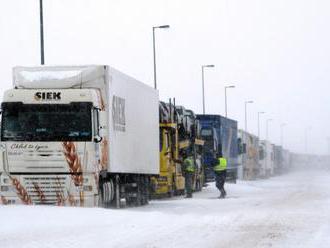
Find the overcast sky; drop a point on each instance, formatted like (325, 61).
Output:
(276, 53)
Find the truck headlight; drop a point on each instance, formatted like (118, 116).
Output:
(88, 188)
(4, 188)
(2, 147)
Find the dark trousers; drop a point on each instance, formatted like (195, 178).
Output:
(188, 183)
(220, 178)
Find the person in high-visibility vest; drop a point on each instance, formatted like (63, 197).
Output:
(220, 171)
(189, 170)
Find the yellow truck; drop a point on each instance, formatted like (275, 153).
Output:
(174, 138)
(170, 180)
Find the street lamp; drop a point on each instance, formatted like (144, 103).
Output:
(282, 126)
(227, 87)
(203, 92)
(154, 46)
(42, 53)
(246, 103)
(259, 113)
(267, 122)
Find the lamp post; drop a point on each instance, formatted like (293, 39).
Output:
(259, 113)
(282, 126)
(227, 87)
(246, 103)
(267, 123)
(42, 53)
(203, 92)
(154, 49)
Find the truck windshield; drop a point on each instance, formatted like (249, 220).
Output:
(207, 133)
(46, 122)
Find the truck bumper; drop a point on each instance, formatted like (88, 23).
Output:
(47, 190)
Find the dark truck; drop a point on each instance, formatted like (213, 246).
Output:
(219, 132)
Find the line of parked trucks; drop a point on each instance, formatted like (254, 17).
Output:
(93, 136)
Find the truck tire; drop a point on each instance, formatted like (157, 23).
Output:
(139, 191)
(145, 190)
(107, 193)
(199, 185)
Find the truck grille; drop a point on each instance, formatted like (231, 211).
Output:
(46, 189)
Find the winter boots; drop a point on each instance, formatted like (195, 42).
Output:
(223, 193)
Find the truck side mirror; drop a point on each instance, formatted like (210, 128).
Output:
(100, 125)
(193, 131)
(243, 148)
(239, 146)
(240, 149)
(261, 154)
(103, 120)
(97, 139)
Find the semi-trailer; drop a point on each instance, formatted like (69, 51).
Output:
(249, 155)
(220, 134)
(170, 181)
(210, 151)
(266, 159)
(278, 159)
(179, 133)
(191, 143)
(78, 135)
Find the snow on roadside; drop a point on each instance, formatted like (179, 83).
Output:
(287, 211)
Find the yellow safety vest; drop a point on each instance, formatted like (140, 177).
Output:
(189, 165)
(222, 164)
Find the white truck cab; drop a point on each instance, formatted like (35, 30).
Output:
(78, 135)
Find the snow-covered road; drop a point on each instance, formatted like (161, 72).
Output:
(287, 211)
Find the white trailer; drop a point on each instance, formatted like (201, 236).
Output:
(78, 135)
(267, 159)
(249, 156)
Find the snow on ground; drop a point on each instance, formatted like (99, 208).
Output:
(286, 211)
